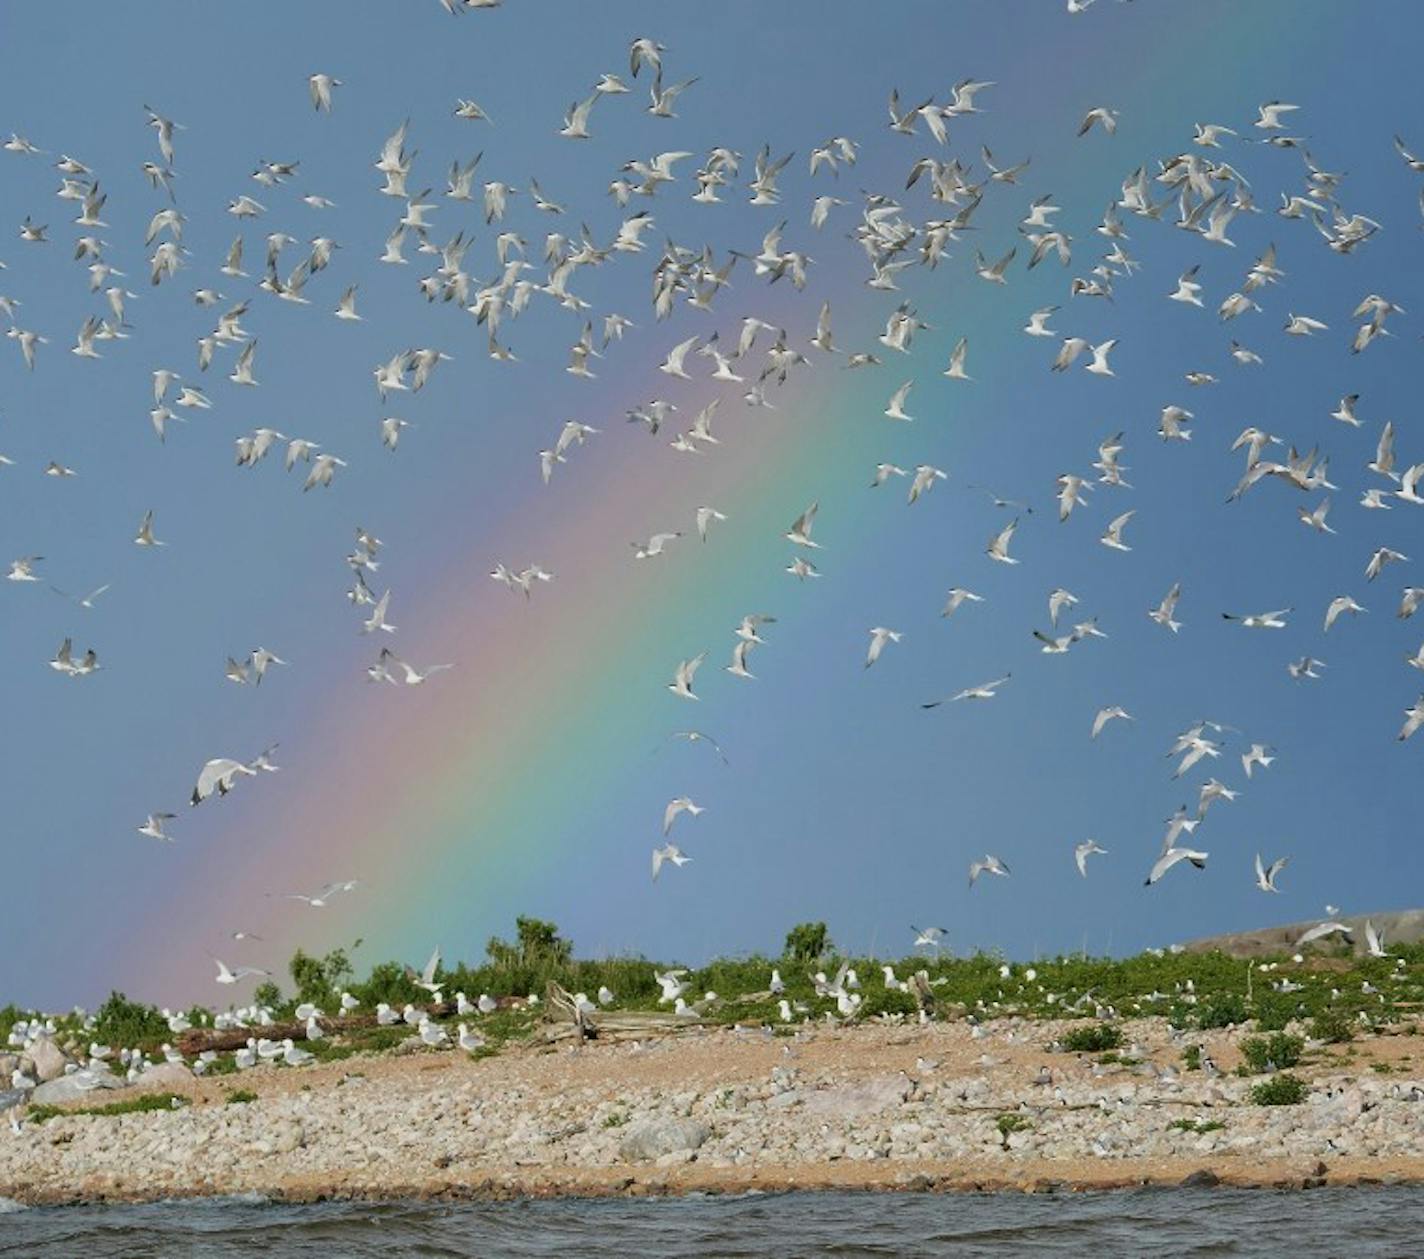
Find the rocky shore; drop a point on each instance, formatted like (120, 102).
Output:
(878, 1106)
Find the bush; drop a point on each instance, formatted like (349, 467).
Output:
(318, 978)
(1280, 1090)
(1274, 1011)
(1276, 1050)
(807, 941)
(1092, 1038)
(879, 1000)
(1331, 1027)
(121, 1022)
(1191, 1057)
(1010, 1122)
(1220, 1009)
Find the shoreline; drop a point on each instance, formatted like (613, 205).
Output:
(1033, 1179)
(881, 1107)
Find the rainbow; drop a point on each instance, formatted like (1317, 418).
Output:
(463, 802)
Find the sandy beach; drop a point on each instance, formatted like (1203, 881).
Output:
(876, 1106)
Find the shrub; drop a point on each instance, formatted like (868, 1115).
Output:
(879, 1000)
(120, 1021)
(1274, 1011)
(1092, 1038)
(1278, 1050)
(807, 941)
(1220, 1009)
(1331, 1027)
(1280, 1090)
(317, 978)
(1191, 1057)
(1010, 1122)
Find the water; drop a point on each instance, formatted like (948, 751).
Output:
(1376, 1223)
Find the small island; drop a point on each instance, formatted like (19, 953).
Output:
(536, 1073)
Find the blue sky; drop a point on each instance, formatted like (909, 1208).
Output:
(845, 801)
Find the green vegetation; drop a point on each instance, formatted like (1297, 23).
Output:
(1277, 1050)
(317, 978)
(1191, 1057)
(240, 1097)
(1332, 1027)
(1010, 1122)
(1280, 1090)
(1092, 1038)
(1195, 1125)
(120, 1021)
(806, 942)
(132, 1106)
(1197, 991)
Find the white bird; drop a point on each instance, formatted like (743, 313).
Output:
(705, 516)
(145, 537)
(1164, 611)
(895, 408)
(957, 596)
(377, 619)
(998, 548)
(654, 545)
(1081, 853)
(879, 636)
(1105, 715)
(320, 86)
(682, 804)
(153, 826)
(226, 976)
(681, 684)
(1338, 606)
(1266, 875)
(1113, 537)
(985, 690)
(1413, 719)
(800, 531)
(1260, 620)
(668, 852)
(1171, 857)
(988, 864)
(1256, 756)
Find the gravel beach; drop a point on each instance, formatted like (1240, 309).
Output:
(877, 1106)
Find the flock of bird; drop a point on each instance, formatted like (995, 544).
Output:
(1199, 191)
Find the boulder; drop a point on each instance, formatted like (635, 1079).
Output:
(48, 1059)
(865, 1098)
(655, 1138)
(165, 1075)
(72, 1088)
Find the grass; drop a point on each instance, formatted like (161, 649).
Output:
(132, 1106)
(1280, 1090)
(240, 1097)
(1195, 1125)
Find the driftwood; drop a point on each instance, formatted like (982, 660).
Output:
(564, 1019)
(197, 1039)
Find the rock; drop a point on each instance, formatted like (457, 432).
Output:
(8, 1063)
(165, 1074)
(48, 1060)
(656, 1137)
(73, 1088)
(864, 1098)
(12, 1097)
(1202, 1178)
(288, 1137)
